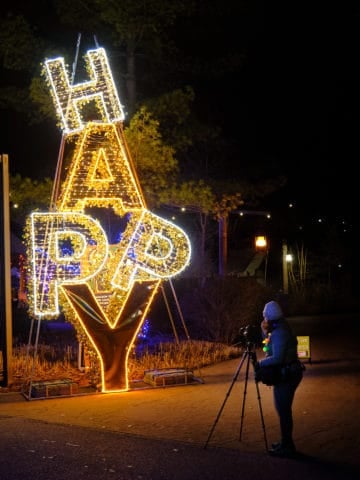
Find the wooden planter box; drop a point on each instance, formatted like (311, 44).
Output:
(53, 388)
(168, 376)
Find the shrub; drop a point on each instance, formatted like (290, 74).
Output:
(218, 307)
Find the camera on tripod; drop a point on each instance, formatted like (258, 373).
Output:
(249, 337)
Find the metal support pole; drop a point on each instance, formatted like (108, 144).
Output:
(5, 280)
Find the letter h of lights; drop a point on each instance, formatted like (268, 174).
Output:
(104, 286)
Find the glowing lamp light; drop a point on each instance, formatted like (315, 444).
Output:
(104, 287)
(260, 242)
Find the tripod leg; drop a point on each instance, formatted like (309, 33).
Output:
(244, 397)
(252, 356)
(226, 398)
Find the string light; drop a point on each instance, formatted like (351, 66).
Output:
(70, 99)
(106, 287)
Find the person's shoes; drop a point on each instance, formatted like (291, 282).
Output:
(277, 445)
(278, 450)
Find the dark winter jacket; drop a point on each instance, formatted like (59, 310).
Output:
(282, 345)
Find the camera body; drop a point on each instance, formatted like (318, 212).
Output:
(249, 336)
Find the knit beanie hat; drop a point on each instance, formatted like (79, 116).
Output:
(272, 311)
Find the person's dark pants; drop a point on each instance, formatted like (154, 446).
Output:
(283, 399)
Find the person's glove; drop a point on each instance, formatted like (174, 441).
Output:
(265, 326)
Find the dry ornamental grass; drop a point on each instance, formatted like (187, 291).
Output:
(48, 363)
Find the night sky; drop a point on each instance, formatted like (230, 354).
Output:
(303, 109)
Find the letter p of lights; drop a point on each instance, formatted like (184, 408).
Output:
(104, 286)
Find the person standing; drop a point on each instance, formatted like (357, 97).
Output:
(281, 350)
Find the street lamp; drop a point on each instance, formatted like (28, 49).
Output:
(287, 258)
(223, 234)
(261, 245)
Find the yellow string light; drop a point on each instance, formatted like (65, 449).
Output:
(106, 287)
(69, 99)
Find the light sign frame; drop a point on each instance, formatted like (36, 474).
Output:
(106, 288)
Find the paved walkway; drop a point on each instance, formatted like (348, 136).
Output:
(208, 415)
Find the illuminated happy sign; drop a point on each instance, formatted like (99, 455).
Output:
(105, 285)
(69, 99)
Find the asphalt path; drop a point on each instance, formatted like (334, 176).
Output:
(217, 428)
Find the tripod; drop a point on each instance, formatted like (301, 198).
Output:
(247, 355)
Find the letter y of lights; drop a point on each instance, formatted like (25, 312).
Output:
(104, 282)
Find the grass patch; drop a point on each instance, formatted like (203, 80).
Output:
(50, 363)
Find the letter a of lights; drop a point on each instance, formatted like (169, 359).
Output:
(104, 281)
